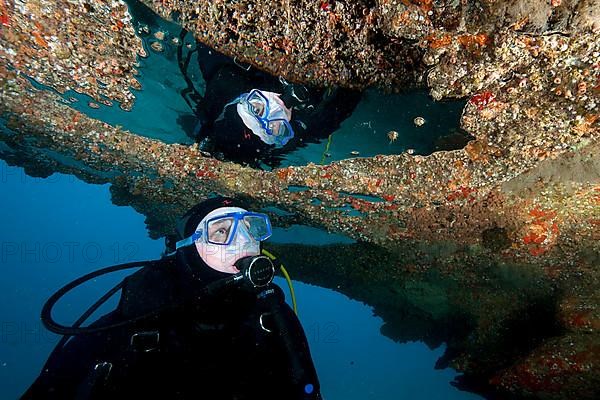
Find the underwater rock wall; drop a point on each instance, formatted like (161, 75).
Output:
(368, 42)
(525, 192)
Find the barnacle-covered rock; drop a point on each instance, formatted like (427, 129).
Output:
(67, 45)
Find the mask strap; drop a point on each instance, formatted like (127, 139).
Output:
(232, 102)
(188, 240)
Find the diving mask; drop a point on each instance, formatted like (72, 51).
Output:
(267, 116)
(227, 234)
(221, 229)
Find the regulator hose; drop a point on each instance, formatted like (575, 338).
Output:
(76, 329)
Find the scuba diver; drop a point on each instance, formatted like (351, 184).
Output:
(253, 118)
(205, 321)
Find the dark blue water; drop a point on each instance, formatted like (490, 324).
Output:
(56, 229)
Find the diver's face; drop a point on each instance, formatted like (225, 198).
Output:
(221, 257)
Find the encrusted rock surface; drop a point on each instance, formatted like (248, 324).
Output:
(525, 192)
(361, 43)
(87, 46)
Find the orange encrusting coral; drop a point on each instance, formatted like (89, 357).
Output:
(542, 232)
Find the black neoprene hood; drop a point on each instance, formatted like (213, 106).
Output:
(187, 256)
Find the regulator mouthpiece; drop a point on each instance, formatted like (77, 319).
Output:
(258, 271)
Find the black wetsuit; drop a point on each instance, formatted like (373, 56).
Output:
(213, 348)
(316, 113)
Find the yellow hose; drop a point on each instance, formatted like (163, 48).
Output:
(287, 278)
(326, 149)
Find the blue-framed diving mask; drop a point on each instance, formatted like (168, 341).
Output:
(221, 230)
(270, 115)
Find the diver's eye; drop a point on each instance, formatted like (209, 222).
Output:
(219, 231)
(274, 127)
(219, 235)
(257, 107)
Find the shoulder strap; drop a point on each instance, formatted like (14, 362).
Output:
(232, 102)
